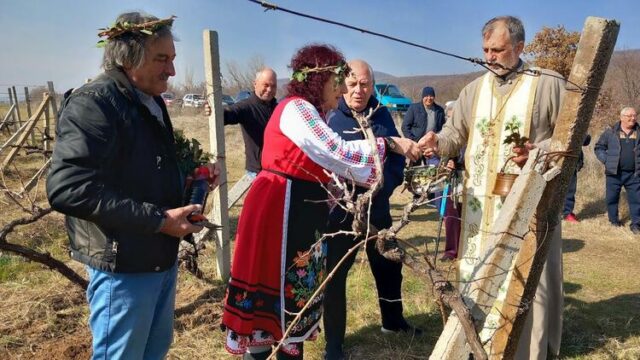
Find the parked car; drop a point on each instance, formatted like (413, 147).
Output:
(227, 100)
(169, 98)
(193, 100)
(243, 94)
(390, 96)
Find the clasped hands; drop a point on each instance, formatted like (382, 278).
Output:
(428, 145)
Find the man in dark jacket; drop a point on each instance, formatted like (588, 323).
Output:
(115, 176)
(387, 274)
(617, 149)
(422, 117)
(253, 114)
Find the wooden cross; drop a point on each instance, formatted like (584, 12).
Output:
(530, 248)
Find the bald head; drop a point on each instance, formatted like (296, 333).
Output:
(266, 84)
(359, 85)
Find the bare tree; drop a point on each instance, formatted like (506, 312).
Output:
(241, 76)
(627, 69)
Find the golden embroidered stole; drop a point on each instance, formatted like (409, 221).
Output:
(495, 116)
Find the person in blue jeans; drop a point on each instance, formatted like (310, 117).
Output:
(570, 200)
(617, 149)
(115, 175)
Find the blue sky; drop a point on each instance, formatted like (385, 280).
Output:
(55, 40)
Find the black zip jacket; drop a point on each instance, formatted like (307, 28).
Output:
(253, 115)
(113, 171)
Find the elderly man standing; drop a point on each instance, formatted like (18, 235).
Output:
(115, 176)
(253, 114)
(505, 99)
(422, 117)
(617, 149)
(387, 274)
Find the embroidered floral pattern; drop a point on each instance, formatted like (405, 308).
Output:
(306, 274)
(242, 301)
(475, 204)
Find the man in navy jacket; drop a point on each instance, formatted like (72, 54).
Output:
(617, 149)
(422, 117)
(387, 274)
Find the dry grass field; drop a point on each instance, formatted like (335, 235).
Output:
(43, 316)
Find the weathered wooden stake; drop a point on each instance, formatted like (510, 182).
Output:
(18, 115)
(27, 100)
(53, 102)
(23, 135)
(5, 122)
(36, 177)
(239, 188)
(11, 124)
(219, 214)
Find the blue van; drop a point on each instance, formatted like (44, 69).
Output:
(390, 96)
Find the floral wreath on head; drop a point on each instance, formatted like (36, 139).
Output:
(119, 28)
(341, 71)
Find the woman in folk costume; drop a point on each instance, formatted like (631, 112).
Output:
(278, 261)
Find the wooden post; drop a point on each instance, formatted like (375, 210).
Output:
(590, 64)
(36, 177)
(12, 123)
(220, 213)
(23, 136)
(239, 188)
(18, 115)
(53, 102)
(27, 100)
(5, 122)
(510, 227)
(15, 135)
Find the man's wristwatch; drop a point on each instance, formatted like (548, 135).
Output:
(391, 145)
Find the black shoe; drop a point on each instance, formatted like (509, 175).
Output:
(407, 329)
(635, 229)
(616, 223)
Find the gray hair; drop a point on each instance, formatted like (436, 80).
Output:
(128, 50)
(264, 69)
(627, 108)
(373, 77)
(369, 69)
(513, 24)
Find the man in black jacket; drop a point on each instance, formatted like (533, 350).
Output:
(115, 176)
(253, 114)
(387, 273)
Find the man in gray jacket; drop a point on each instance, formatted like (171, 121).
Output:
(617, 149)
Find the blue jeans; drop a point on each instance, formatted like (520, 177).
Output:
(131, 315)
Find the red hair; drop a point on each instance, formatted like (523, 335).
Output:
(312, 56)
